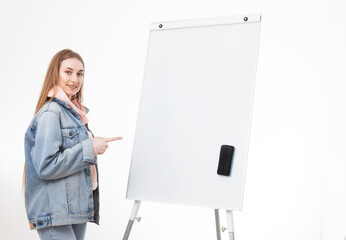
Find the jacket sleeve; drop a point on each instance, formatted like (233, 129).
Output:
(48, 158)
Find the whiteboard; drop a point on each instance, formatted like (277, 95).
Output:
(197, 95)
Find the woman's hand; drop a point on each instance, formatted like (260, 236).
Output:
(100, 144)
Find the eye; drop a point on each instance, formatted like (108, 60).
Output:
(68, 72)
(80, 74)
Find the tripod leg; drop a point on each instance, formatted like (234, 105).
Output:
(231, 236)
(230, 227)
(128, 230)
(133, 215)
(217, 222)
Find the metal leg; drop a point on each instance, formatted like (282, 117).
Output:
(231, 236)
(133, 215)
(230, 228)
(217, 221)
(128, 230)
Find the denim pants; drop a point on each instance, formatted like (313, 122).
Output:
(64, 232)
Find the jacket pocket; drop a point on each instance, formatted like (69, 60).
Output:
(70, 137)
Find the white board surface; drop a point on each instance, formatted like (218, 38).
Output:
(197, 95)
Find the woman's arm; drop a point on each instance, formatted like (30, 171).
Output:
(48, 158)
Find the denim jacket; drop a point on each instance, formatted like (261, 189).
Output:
(58, 155)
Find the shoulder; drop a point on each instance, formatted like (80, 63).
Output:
(51, 109)
(51, 106)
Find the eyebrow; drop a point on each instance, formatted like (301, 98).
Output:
(78, 71)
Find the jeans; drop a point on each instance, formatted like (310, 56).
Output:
(64, 232)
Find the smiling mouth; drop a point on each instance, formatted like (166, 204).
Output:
(72, 86)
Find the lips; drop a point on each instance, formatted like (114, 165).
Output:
(72, 86)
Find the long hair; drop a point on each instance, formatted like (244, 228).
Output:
(51, 80)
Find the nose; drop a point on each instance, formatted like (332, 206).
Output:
(74, 78)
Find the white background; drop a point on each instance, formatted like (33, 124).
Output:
(296, 179)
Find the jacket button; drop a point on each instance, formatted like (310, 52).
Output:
(40, 223)
(70, 133)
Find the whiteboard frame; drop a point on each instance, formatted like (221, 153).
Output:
(205, 22)
(167, 25)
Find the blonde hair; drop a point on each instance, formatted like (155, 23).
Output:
(51, 80)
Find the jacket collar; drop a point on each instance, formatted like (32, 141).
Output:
(64, 103)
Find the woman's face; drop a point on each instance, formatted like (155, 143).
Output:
(71, 76)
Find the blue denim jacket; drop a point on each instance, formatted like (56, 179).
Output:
(58, 155)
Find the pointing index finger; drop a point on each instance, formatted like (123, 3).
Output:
(113, 139)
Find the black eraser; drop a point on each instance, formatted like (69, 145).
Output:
(225, 160)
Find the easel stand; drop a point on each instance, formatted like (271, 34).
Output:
(133, 217)
(229, 228)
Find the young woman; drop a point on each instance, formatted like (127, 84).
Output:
(61, 176)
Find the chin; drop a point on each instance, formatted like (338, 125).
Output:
(69, 95)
